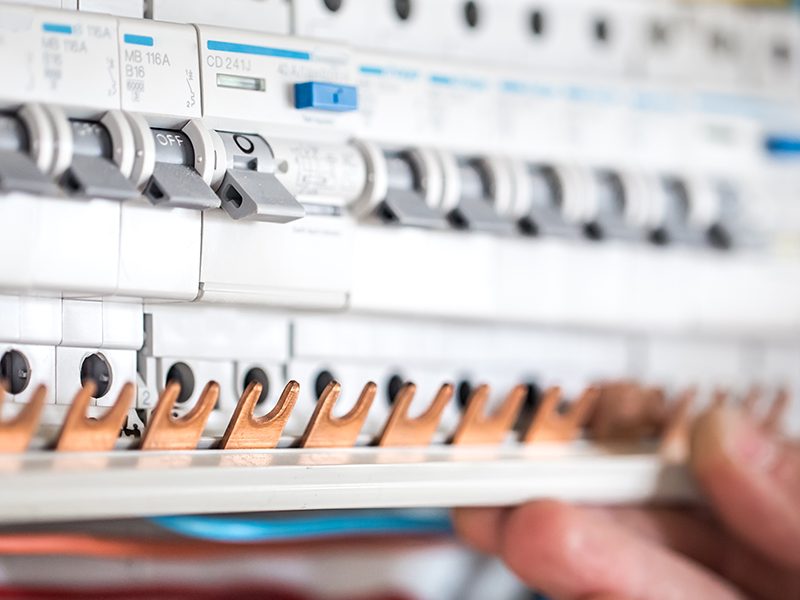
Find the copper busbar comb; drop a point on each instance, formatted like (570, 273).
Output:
(326, 431)
(81, 434)
(674, 444)
(245, 431)
(476, 427)
(400, 430)
(548, 425)
(626, 410)
(163, 432)
(775, 413)
(16, 433)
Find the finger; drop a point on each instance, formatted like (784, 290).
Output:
(480, 527)
(752, 480)
(571, 553)
(701, 538)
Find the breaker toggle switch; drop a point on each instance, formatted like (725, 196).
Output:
(678, 213)
(249, 189)
(729, 226)
(175, 182)
(545, 192)
(95, 171)
(618, 211)
(18, 171)
(475, 209)
(405, 201)
(325, 96)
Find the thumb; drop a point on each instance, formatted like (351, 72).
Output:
(752, 480)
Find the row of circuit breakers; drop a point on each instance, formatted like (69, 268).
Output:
(121, 157)
(121, 109)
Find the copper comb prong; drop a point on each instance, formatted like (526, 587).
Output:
(245, 431)
(82, 434)
(550, 426)
(326, 431)
(751, 400)
(719, 398)
(773, 421)
(163, 432)
(476, 427)
(619, 411)
(16, 433)
(674, 444)
(400, 430)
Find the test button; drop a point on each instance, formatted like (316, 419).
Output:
(325, 96)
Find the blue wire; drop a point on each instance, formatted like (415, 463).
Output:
(231, 529)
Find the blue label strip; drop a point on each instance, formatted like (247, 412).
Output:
(57, 28)
(218, 46)
(389, 72)
(137, 40)
(533, 89)
(473, 84)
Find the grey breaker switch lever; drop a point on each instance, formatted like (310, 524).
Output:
(250, 189)
(175, 182)
(92, 172)
(18, 172)
(474, 209)
(546, 196)
(404, 202)
(613, 200)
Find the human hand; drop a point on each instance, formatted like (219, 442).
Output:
(746, 545)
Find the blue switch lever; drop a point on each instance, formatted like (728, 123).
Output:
(325, 96)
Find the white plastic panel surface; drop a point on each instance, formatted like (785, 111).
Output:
(41, 361)
(160, 73)
(76, 248)
(214, 481)
(266, 16)
(248, 79)
(306, 263)
(68, 372)
(77, 65)
(159, 252)
(19, 53)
